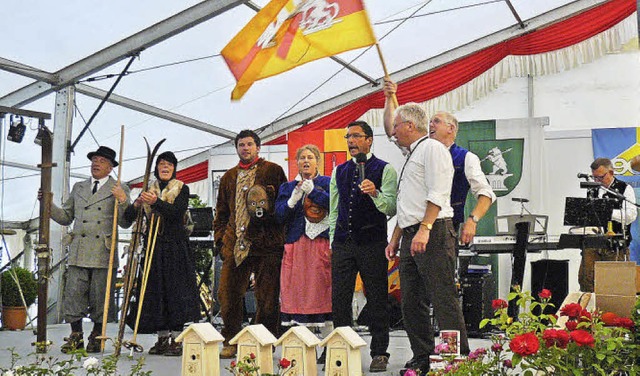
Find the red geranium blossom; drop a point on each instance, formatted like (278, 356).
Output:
(571, 325)
(624, 322)
(497, 304)
(544, 294)
(572, 310)
(583, 338)
(525, 344)
(252, 356)
(554, 337)
(585, 316)
(285, 363)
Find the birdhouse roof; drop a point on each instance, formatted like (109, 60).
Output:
(348, 334)
(303, 333)
(259, 332)
(204, 331)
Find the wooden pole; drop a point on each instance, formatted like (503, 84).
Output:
(386, 73)
(42, 250)
(114, 242)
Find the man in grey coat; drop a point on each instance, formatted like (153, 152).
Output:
(90, 207)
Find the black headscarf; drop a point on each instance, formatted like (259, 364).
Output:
(169, 157)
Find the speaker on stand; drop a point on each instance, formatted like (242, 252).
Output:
(551, 275)
(478, 291)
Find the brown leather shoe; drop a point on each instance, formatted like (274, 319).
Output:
(379, 363)
(161, 346)
(72, 343)
(93, 344)
(174, 349)
(228, 352)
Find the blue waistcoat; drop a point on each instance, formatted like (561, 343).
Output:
(460, 186)
(358, 217)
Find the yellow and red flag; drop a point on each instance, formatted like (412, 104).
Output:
(289, 33)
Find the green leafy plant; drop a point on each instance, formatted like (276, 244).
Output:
(11, 293)
(76, 363)
(591, 343)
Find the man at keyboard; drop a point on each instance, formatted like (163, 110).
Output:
(623, 214)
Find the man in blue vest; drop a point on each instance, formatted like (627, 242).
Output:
(443, 127)
(362, 195)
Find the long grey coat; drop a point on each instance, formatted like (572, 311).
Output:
(90, 242)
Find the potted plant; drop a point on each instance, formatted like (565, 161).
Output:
(14, 311)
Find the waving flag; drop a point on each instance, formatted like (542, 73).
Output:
(289, 33)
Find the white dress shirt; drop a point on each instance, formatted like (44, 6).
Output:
(630, 211)
(101, 182)
(427, 176)
(476, 178)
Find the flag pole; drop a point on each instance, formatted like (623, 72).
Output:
(386, 73)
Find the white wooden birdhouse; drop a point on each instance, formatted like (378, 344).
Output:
(257, 340)
(200, 350)
(343, 352)
(299, 347)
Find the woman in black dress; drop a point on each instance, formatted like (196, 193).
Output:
(171, 296)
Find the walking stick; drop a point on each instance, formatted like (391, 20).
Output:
(114, 242)
(148, 257)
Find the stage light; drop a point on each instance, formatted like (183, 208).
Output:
(16, 130)
(42, 130)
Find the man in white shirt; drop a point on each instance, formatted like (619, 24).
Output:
(443, 127)
(624, 214)
(425, 226)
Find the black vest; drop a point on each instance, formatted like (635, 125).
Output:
(619, 186)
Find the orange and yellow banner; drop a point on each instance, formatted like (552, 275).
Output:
(289, 33)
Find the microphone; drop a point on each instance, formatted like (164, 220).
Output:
(361, 158)
(583, 176)
(516, 199)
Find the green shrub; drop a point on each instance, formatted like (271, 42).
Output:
(10, 292)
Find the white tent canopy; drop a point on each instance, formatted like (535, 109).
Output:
(80, 40)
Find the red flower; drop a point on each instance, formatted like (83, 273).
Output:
(252, 356)
(572, 310)
(544, 294)
(624, 322)
(525, 344)
(233, 364)
(582, 338)
(571, 325)
(507, 363)
(585, 316)
(609, 318)
(285, 363)
(497, 304)
(496, 347)
(558, 338)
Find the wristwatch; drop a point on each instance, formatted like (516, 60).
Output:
(428, 226)
(474, 218)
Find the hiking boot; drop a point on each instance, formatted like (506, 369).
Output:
(379, 363)
(228, 352)
(174, 349)
(93, 344)
(161, 346)
(72, 343)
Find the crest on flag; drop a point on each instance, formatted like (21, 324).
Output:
(501, 162)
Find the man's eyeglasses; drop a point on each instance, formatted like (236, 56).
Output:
(357, 136)
(438, 121)
(600, 177)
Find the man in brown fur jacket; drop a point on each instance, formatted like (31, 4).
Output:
(249, 238)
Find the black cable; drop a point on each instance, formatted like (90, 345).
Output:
(104, 100)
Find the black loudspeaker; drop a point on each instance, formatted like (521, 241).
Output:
(202, 220)
(478, 291)
(551, 275)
